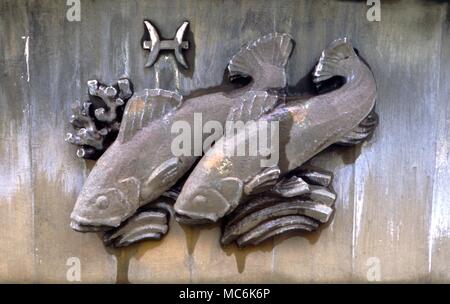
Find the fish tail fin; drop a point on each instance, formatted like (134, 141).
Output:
(332, 58)
(264, 60)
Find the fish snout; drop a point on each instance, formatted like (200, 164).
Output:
(105, 210)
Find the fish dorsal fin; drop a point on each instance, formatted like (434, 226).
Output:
(254, 104)
(264, 60)
(265, 180)
(145, 108)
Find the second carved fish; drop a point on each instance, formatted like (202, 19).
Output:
(140, 165)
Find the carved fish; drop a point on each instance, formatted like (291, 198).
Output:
(306, 128)
(140, 165)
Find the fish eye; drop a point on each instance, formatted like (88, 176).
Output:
(102, 202)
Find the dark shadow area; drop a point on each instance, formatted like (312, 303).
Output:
(189, 54)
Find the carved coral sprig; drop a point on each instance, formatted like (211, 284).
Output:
(97, 121)
(300, 202)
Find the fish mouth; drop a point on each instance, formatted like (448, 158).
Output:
(185, 219)
(81, 224)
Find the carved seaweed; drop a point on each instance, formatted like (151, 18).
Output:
(290, 206)
(97, 121)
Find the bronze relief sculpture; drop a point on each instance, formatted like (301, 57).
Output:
(134, 198)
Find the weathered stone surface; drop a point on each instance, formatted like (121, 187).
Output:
(123, 180)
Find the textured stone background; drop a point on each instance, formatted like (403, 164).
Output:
(393, 205)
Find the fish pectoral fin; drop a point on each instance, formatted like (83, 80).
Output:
(265, 180)
(131, 187)
(164, 174)
(144, 108)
